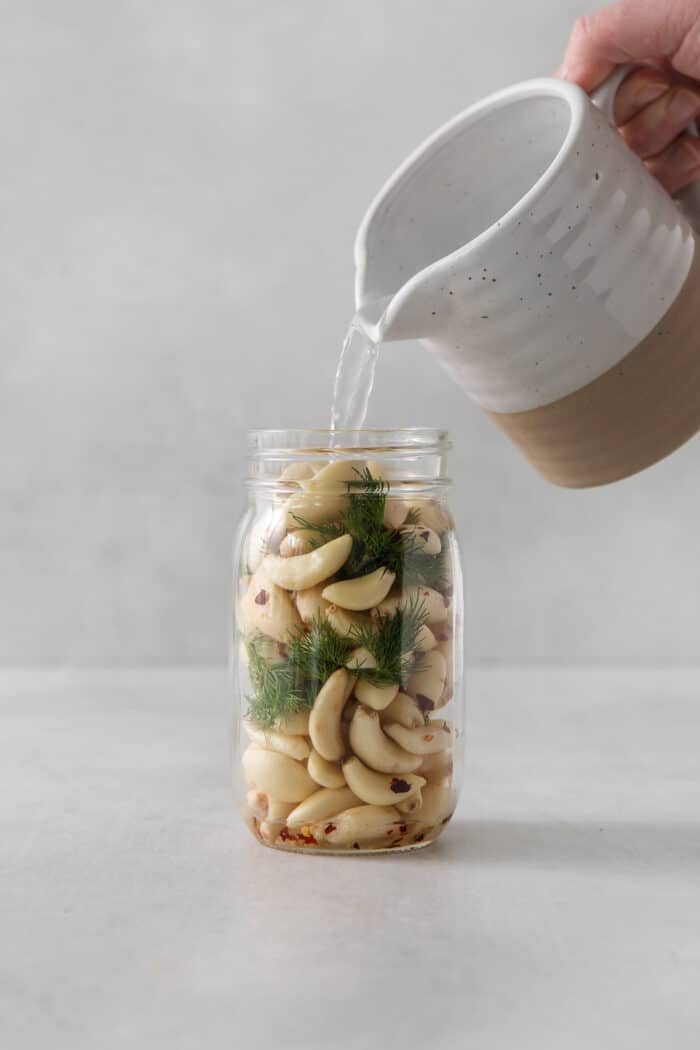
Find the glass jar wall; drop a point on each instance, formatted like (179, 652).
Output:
(347, 642)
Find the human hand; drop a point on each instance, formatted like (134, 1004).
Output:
(654, 105)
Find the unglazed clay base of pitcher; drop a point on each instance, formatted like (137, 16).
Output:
(635, 414)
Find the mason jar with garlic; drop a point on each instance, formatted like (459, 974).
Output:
(348, 618)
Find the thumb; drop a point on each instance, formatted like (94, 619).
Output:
(630, 31)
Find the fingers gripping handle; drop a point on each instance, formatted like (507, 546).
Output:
(603, 97)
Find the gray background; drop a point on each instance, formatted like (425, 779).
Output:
(180, 186)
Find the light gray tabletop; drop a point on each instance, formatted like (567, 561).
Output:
(561, 910)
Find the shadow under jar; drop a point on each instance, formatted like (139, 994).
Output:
(348, 615)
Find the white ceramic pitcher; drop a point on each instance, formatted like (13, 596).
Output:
(531, 251)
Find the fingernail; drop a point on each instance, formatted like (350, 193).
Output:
(683, 105)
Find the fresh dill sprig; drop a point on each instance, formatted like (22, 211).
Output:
(328, 530)
(275, 689)
(315, 655)
(426, 570)
(391, 639)
(292, 684)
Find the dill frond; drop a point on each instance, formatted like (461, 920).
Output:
(328, 530)
(391, 639)
(315, 655)
(275, 690)
(292, 684)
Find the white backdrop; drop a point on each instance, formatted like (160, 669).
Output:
(180, 186)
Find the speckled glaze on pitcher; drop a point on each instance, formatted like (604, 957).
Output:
(552, 276)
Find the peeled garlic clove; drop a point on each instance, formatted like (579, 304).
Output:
(296, 542)
(433, 514)
(424, 740)
(435, 606)
(277, 775)
(297, 471)
(257, 803)
(294, 746)
(334, 477)
(311, 603)
(425, 640)
(308, 570)
(427, 684)
(376, 696)
(326, 774)
(421, 538)
(413, 805)
(324, 803)
(380, 789)
(267, 649)
(447, 650)
(267, 609)
(344, 623)
(362, 592)
(404, 710)
(269, 831)
(360, 659)
(436, 766)
(429, 600)
(268, 808)
(359, 826)
(314, 507)
(300, 541)
(395, 512)
(375, 749)
(265, 535)
(324, 723)
(438, 802)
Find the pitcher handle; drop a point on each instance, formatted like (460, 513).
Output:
(687, 199)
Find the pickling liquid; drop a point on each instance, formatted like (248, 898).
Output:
(354, 379)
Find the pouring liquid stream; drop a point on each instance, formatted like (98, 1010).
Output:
(354, 378)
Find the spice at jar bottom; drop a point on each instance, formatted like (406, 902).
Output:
(349, 673)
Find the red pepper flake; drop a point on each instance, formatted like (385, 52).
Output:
(424, 702)
(261, 598)
(308, 840)
(428, 737)
(329, 828)
(419, 838)
(284, 835)
(399, 786)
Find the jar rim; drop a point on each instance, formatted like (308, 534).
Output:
(343, 441)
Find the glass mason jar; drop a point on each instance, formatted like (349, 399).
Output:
(347, 642)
